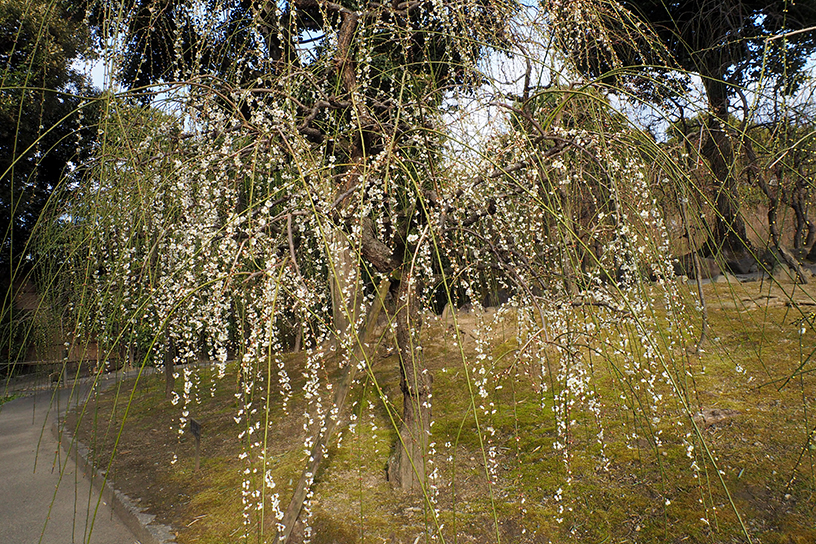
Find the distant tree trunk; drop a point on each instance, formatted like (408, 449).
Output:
(698, 275)
(798, 201)
(776, 238)
(801, 182)
(406, 467)
(569, 242)
(298, 344)
(811, 227)
(811, 256)
(773, 208)
(801, 219)
(729, 229)
(169, 369)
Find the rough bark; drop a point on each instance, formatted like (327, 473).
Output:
(729, 229)
(801, 220)
(569, 241)
(375, 252)
(803, 199)
(325, 434)
(346, 287)
(406, 466)
(773, 227)
(798, 201)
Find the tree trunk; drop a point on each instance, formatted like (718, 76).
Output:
(698, 275)
(801, 220)
(323, 437)
(569, 242)
(801, 183)
(169, 370)
(346, 287)
(406, 467)
(729, 230)
(776, 239)
(798, 201)
(773, 227)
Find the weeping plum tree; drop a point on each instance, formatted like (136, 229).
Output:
(275, 176)
(360, 88)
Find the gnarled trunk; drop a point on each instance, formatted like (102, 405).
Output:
(406, 467)
(799, 203)
(774, 197)
(776, 238)
(324, 436)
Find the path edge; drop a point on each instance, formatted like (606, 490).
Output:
(134, 517)
(127, 510)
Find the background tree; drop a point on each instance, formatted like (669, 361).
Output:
(44, 133)
(730, 45)
(40, 93)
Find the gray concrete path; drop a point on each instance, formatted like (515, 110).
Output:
(43, 498)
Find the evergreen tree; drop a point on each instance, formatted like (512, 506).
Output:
(40, 116)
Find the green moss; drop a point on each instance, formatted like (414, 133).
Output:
(8, 398)
(624, 471)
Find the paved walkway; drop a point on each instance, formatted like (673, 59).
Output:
(43, 498)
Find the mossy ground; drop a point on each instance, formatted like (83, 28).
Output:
(8, 398)
(659, 472)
